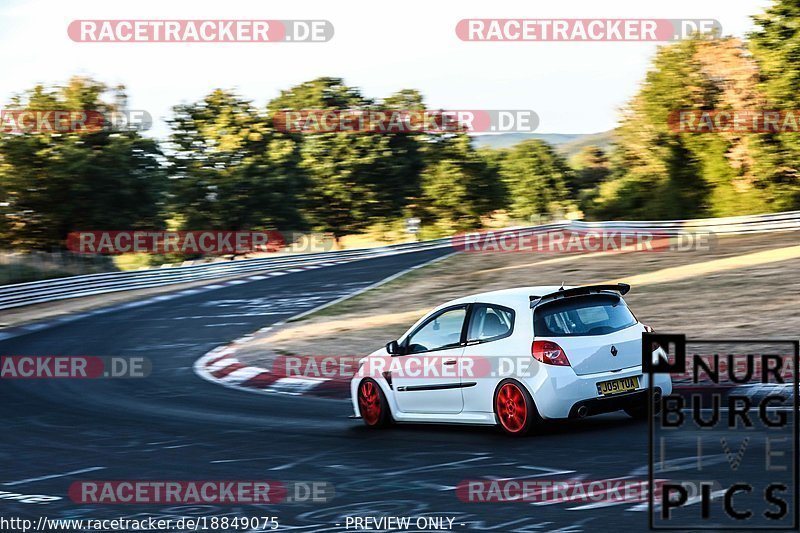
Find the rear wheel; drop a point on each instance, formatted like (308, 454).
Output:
(639, 411)
(514, 409)
(373, 405)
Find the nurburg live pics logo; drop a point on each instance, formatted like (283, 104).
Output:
(742, 404)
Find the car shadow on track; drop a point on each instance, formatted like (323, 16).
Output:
(585, 426)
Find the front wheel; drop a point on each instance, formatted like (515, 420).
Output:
(373, 405)
(514, 409)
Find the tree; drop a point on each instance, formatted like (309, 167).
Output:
(230, 170)
(775, 46)
(657, 172)
(459, 184)
(660, 173)
(355, 178)
(55, 182)
(591, 167)
(536, 177)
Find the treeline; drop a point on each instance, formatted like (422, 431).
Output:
(226, 166)
(657, 173)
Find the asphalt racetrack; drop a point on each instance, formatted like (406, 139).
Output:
(174, 425)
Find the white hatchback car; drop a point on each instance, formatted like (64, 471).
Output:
(511, 358)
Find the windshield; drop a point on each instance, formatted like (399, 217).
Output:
(595, 314)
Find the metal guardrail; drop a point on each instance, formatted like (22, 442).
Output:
(786, 221)
(93, 284)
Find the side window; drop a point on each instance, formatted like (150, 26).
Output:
(439, 332)
(489, 322)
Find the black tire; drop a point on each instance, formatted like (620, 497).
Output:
(639, 411)
(372, 405)
(511, 400)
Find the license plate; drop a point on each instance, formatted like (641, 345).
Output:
(616, 386)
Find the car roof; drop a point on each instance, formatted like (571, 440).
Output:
(509, 297)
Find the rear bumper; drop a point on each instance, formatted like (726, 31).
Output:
(597, 406)
(557, 390)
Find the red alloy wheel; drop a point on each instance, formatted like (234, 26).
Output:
(369, 402)
(511, 408)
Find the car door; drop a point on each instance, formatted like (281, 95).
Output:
(488, 325)
(425, 377)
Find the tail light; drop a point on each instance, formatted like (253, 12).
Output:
(549, 352)
(654, 346)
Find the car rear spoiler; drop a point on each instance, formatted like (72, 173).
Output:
(621, 288)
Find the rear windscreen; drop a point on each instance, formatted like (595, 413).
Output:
(595, 314)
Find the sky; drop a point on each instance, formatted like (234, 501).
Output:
(380, 47)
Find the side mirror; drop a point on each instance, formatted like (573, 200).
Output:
(393, 348)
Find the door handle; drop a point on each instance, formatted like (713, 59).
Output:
(450, 362)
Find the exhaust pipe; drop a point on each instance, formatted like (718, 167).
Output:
(583, 411)
(657, 401)
(656, 396)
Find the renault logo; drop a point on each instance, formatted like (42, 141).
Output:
(614, 350)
